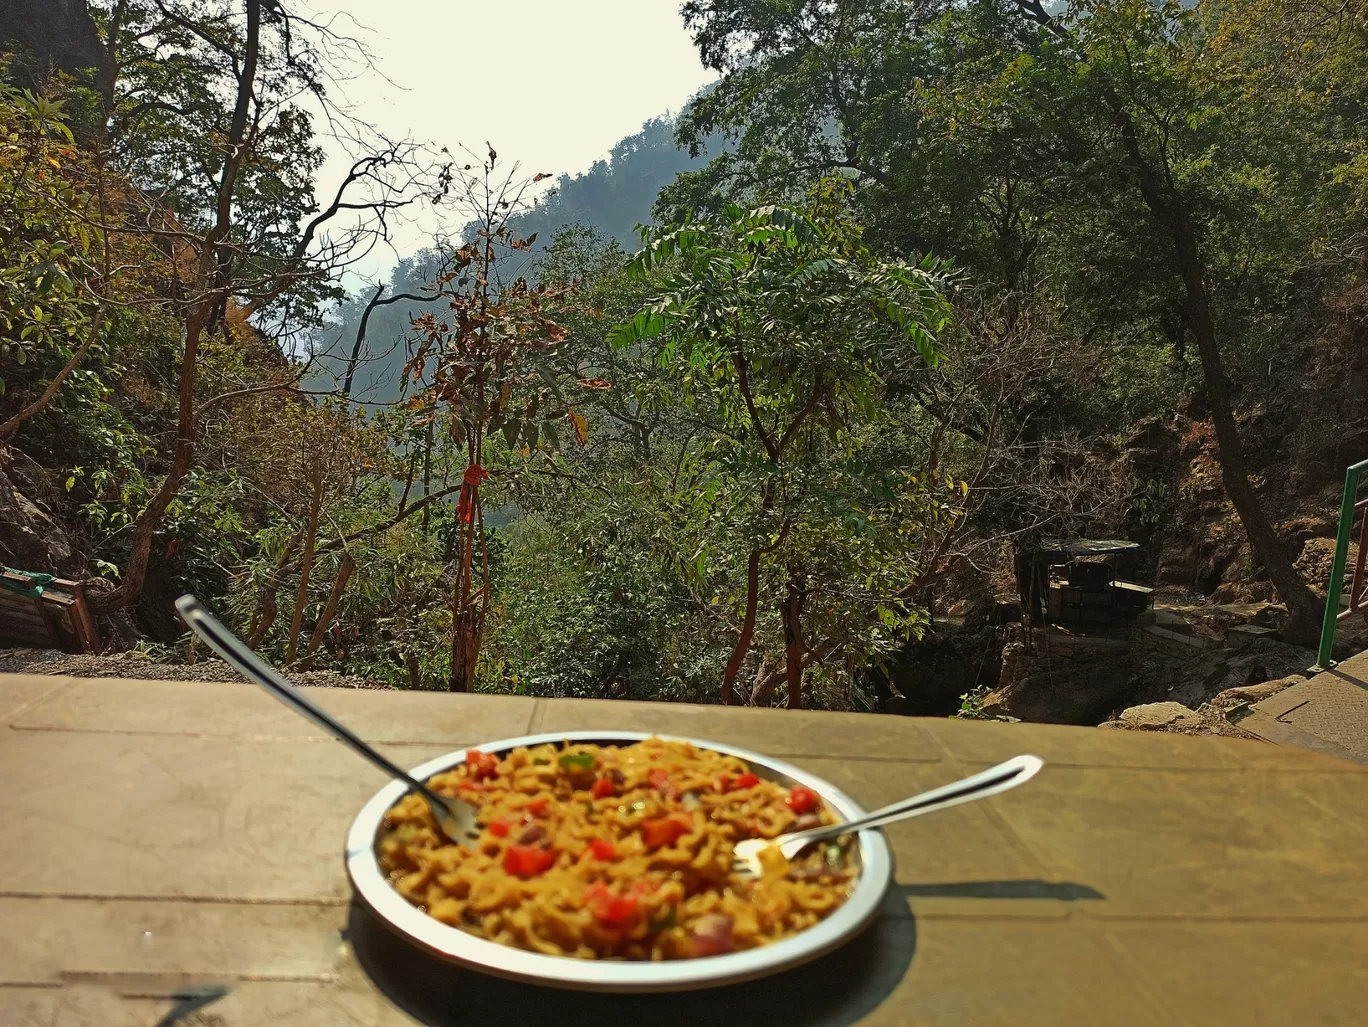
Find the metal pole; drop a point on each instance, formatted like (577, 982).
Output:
(1332, 597)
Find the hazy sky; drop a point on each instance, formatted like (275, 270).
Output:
(551, 83)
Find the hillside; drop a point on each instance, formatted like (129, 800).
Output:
(613, 197)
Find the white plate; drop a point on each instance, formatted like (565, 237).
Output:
(617, 975)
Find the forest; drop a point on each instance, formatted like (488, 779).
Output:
(745, 413)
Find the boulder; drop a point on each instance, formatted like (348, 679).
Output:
(1062, 691)
(1159, 716)
(1315, 559)
(29, 539)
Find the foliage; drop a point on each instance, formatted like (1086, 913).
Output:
(740, 462)
(779, 329)
(46, 252)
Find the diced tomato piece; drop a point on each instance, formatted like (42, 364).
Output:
(536, 807)
(603, 788)
(600, 848)
(801, 800)
(665, 830)
(660, 780)
(481, 764)
(610, 908)
(527, 860)
(746, 781)
(473, 786)
(724, 783)
(499, 828)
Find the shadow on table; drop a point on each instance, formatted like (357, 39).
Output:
(1023, 889)
(840, 988)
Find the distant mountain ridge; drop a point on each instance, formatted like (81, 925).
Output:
(613, 197)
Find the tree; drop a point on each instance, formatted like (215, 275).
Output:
(780, 325)
(487, 373)
(223, 155)
(1178, 129)
(49, 262)
(1115, 157)
(805, 89)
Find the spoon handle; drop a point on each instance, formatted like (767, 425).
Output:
(1017, 770)
(250, 666)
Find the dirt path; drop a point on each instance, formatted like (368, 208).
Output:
(131, 665)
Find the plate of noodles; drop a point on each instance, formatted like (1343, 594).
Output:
(604, 863)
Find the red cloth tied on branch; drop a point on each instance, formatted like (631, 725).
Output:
(470, 487)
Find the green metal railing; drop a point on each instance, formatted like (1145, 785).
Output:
(1351, 509)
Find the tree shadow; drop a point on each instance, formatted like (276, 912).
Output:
(841, 988)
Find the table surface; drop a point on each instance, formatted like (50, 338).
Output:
(165, 839)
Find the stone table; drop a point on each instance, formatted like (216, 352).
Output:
(167, 839)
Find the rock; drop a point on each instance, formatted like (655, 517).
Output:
(59, 33)
(1270, 615)
(1177, 565)
(1241, 635)
(1315, 559)
(1013, 660)
(1231, 592)
(1195, 405)
(29, 539)
(1300, 530)
(1159, 716)
(934, 671)
(1064, 691)
(1205, 720)
(1234, 697)
(1263, 660)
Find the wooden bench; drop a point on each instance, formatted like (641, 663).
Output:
(59, 618)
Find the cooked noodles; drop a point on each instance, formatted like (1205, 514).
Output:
(606, 852)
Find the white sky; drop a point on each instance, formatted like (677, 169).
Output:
(550, 83)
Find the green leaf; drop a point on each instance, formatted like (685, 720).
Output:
(646, 325)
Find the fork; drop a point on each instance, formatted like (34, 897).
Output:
(455, 817)
(1018, 770)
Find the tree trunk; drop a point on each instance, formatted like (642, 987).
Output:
(738, 654)
(792, 613)
(344, 573)
(468, 604)
(762, 691)
(264, 619)
(213, 292)
(1171, 213)
(305, 569)
(135, 572)
(265, 616)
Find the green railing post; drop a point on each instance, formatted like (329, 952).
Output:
(1324, 658)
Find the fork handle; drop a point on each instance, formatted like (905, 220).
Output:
(1003, 777)
(250, 666)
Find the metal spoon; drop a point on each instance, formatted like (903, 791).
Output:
(455, 817)
(1017, 770)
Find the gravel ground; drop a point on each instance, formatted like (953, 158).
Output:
(131, 665)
